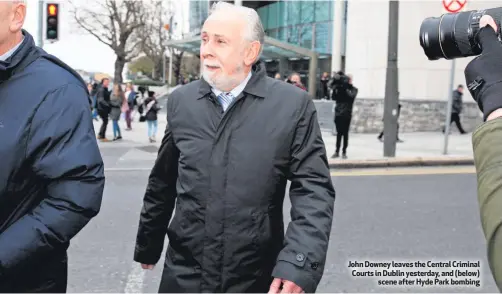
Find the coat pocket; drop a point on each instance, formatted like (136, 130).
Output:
(186, 233)
(263, 234)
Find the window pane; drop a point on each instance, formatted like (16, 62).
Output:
(283, 34)
(263, 13)
(282, 17)
(323, 37)
(273, 33)
(307, 11)
(272, 16)
(293, 12)
(293, 35)
(306, 37)
(322, 10)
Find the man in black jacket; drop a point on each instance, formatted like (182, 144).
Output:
(233, 140)
(344, 96)
(104, 107)
(51, 175)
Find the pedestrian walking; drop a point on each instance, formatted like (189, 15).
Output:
(398, 140)
(130, 96)
(456, 110)
(231, 144)
(116, 103)
(51, 175)
(151, 109)
(103, 107)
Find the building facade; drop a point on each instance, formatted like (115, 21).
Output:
(423, 84)
(308, 24)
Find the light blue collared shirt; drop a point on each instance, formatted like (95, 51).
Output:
(237, 90)
(11, 51)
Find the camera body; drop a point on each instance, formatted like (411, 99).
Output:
(454, 35)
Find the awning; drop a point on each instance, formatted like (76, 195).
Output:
(273, 48)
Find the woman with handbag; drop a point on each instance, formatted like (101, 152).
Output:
(151, 109)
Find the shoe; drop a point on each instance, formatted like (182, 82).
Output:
(104, 140)
(335, 155)
(344, 156)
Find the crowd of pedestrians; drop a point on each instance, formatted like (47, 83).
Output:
(125, 103)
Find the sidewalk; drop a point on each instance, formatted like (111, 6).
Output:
(418, 149)
(365, 150)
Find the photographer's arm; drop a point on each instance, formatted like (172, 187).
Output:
(484, 79)
(488, 159)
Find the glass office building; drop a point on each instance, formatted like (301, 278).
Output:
(305, 23)
(308, 24)
(199, 10)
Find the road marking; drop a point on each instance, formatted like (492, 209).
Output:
(405, 171)
(135, 279)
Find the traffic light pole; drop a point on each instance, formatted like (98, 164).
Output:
(391, 84)
(41, 23)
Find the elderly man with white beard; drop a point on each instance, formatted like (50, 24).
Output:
(233, 140)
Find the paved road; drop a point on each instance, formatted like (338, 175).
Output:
(380, 216)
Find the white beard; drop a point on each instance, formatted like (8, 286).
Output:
(220, 80)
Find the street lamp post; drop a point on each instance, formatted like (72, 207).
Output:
(41, 23)
(391, 84)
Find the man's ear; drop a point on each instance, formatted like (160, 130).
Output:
(252, 53)
(19, 15)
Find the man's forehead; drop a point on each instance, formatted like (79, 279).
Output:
(229, 27)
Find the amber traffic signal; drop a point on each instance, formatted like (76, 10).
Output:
(52, 31)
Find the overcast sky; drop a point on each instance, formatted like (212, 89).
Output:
(78, 50)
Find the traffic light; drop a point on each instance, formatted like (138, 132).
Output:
(52, 21)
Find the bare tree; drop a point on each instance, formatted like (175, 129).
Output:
(155, 35)
(114, 23)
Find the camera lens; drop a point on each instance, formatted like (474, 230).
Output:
(453, 35)
(429, 38)
(439, 37)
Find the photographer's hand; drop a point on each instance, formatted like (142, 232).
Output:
(484, 74)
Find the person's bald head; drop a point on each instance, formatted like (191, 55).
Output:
(12, 16)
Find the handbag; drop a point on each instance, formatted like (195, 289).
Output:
(142, 118)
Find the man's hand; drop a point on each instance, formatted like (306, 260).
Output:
(147, 266)
(287, 287)
(484, 74)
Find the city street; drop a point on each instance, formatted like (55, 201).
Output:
(381, 215)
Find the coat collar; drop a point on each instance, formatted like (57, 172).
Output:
(25, 54)
(255, 86)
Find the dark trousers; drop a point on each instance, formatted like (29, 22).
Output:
(342, 124)
(397, 135)
(104, 124)
(128, 118)
(455, 117)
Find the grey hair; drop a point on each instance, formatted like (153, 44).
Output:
(255, 31)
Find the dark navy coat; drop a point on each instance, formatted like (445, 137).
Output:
(51, 170)
(224, 176)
